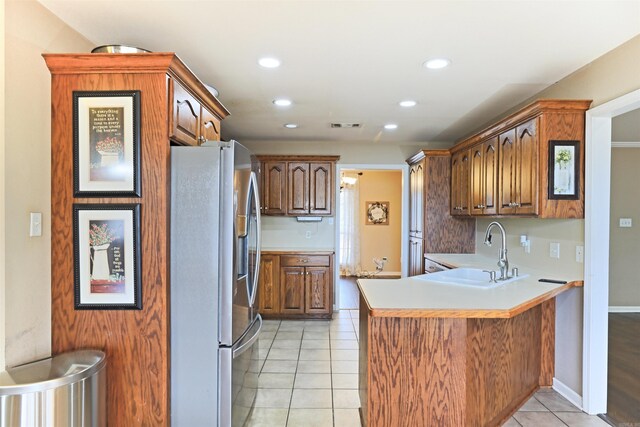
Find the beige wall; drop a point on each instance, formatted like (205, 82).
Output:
(377, 241)
(2, 197)
(285, 233)
(30, 31)
(624, 285)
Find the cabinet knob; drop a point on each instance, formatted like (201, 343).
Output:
(201, 139)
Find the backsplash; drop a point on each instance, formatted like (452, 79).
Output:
(569, 233)
(281, 232)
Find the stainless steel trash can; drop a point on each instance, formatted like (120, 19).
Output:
(61, 391)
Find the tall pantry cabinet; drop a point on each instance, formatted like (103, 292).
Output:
(432, 229)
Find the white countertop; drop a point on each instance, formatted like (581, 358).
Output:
(411, 297)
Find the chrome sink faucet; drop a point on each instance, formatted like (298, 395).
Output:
(503, 261)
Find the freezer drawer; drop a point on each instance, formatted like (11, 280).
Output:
(238, 375)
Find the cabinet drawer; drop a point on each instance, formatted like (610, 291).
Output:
(432, 266)
(304, 260)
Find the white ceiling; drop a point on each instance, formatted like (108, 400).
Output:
(353, 61)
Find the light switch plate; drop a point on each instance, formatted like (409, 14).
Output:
(35, 224)
(626, 222)
(554, 250)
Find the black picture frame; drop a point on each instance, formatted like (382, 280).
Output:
(110, 119)
(564, 170)
(107, 236)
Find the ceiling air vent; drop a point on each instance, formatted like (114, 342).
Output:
(345, 125)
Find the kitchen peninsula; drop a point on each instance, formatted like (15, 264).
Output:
(438, 354)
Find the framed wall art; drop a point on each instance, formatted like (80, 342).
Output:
(106, 144)
(564, 170)
(106, 241)
(377, 213)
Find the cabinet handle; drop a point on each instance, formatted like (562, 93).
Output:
(266, 208)
(201, 139)
(303, 260)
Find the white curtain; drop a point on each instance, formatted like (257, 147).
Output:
(349, 229)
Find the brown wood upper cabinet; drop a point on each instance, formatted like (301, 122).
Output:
(484, 178)
(508, 163)
(190, 123)
(297, 185)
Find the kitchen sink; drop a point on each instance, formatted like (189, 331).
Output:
(474, 277)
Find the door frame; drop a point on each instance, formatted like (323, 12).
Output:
(404, 229)
(596, 267)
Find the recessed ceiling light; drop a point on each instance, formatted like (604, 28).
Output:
(291, 125)
(282, 102)
(390, 126)
(436, 63)
(408, 103)
(269, 62)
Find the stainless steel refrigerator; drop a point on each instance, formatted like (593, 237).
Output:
(215, 264)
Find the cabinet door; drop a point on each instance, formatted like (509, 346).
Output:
(292, 283)
(412, 200)
(209, 127)
(508, 169)
(419, 200)
(460, 181)
(416, 256)
(184, 122)
(490, 176)
(298, 188)
(317, 290)
(477, 180)
(268, 289)
(274, 189)
(320, 188)
(526, 181)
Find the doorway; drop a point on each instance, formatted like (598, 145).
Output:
(370, 230)
(597, 238)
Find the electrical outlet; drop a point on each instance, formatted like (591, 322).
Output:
(554, 250)
(580, 254)
(307, 234)
(626, 222)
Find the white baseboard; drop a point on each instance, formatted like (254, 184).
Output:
(624, 309)
(567, 393)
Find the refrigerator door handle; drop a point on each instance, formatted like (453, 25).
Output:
(251, 340)
(256, 275)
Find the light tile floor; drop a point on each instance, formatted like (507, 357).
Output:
(309, 378)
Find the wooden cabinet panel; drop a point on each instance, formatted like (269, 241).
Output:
(460, 178)
(416, 256)
(527, 176)
(274, 188)
(305, 260)
(519, 170)
(209, 127)
(317, 289)
(269, 289)
(416, 200)
(185, 117)
(298, 188)
(484, 178)
(292, 285)
(320, 188)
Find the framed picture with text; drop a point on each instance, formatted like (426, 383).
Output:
(106, 144)
(106, 242)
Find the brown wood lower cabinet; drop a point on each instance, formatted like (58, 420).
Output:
(296, 285)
